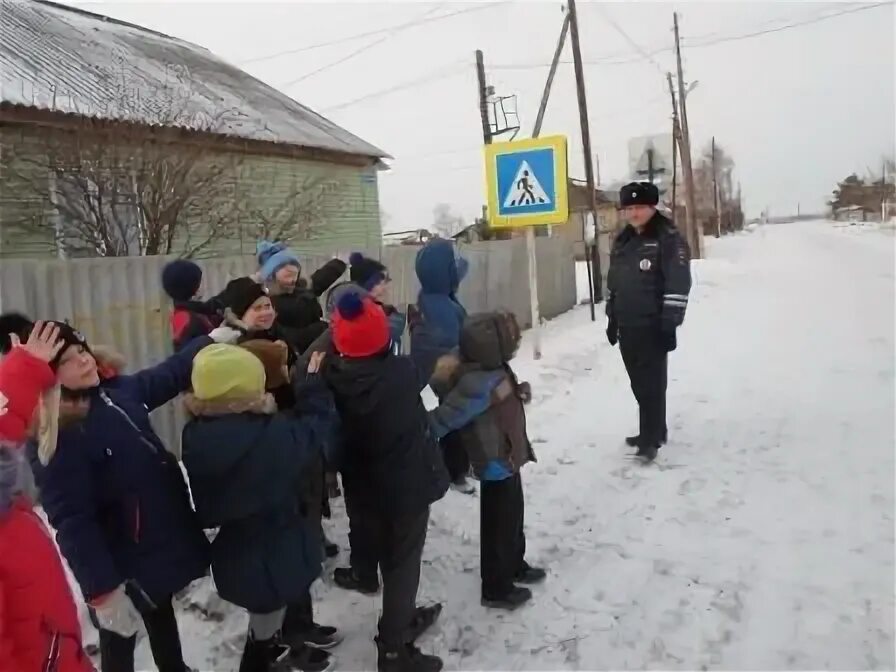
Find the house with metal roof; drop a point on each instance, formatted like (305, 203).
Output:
(116, 140)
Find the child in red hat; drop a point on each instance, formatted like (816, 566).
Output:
(392, 469)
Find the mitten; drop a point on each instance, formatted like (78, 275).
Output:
(226, 335)
(116, 613)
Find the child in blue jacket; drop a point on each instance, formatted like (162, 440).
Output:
(482, 403)
(245, 459)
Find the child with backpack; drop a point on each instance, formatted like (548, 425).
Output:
(245, 459)
(191, 317)
(483, 403)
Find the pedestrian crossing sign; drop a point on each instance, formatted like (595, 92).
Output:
(526, 182)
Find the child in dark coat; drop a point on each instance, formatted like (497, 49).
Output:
(482, 402)
(373, 277)
(191, 317)
(392, 469)
(245, 459)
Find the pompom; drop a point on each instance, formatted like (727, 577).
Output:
(350, 305)
(265, 249)
(355, 258)
(13, 323)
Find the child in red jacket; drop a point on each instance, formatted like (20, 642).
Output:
(39, 627)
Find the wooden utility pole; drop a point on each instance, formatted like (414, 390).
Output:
(695, 233)
(884, 215)
(530, 231)
(586, 146)
(676, 148)
(483, 98)
(715, 191)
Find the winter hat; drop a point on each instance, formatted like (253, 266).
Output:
(240, 294)
(490, 339)
(226, 373)
(21, 326)
(181, 279)
(366, 272)
(639, 193)
(360, 327)
(337, 292)
(273, 356)
(272, 257)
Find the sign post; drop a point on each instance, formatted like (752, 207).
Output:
(526, 183)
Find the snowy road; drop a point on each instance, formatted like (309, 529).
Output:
(762, 539)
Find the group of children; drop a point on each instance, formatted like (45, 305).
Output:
(279, 392)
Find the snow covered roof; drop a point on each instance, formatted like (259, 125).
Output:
(67, 60)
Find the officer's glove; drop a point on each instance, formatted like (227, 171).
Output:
(669, 339)
(612, 331)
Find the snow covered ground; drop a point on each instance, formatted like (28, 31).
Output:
(762, 538)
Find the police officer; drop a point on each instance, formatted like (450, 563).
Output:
(648, 282)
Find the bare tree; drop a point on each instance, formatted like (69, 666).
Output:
(445, 222)
(119, 190)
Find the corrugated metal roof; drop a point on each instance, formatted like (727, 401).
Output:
(67, 60)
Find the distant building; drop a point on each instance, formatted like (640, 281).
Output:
(146, 137)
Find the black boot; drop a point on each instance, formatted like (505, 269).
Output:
(517, 597)
(424, 617)
(633, 441)
(405, 658)
(348, 578)
(265, 656)
(331, 550)
(530, 575)
(306, 659)
(648, 452)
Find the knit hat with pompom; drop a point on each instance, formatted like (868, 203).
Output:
(360, 327)
(366, 272)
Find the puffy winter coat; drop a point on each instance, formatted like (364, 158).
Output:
(649, 277)
(39, 628)
(440, 271)
(245, 463)
(481, 399)
(392, 462)
(116, 497)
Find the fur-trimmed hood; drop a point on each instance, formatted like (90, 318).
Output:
(198, 408)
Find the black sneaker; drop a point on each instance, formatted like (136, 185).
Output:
(405, 658)
(346, 577)
(529, 575)
(424, 617)
(306, 659)
(517, 597)
(633, 441)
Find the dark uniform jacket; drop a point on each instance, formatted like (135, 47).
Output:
(649, 277)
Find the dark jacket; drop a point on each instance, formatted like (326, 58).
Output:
(392, 462)
(116, 497)
(649, 277)
(192, 319)
(440, 271)
(245, 465)
(299, 313)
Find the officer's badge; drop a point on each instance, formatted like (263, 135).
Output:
(644, 265)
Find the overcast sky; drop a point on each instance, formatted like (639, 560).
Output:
(797, 108)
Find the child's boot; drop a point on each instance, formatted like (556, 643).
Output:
(405, 658)
(515, 598)
(424, 617)
(348, 578)
(530, 575)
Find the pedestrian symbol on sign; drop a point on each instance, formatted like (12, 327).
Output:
(525, 189)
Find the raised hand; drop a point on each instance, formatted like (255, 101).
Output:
(43, 342)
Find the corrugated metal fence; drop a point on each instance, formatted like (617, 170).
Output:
(120, 303)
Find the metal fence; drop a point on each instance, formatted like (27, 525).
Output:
(120, 303)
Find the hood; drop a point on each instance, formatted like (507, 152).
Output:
(440, 269)
(357, 383)
(490, 340)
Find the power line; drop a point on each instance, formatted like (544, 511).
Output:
(614, 59)
(637, 47)
(372, 33)
(442, 73)
(351, 55)
(796, 24)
